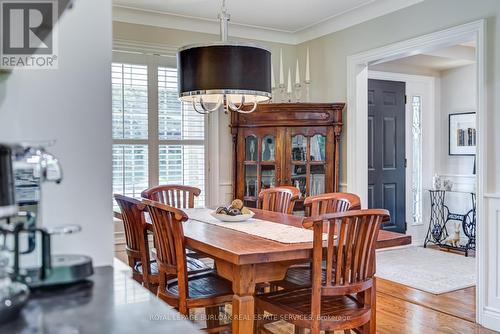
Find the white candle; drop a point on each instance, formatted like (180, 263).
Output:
(308, 74)
(289, 87)
(282, 76)
(297, 73)
(273, 82)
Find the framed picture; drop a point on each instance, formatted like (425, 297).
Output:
(462, 134)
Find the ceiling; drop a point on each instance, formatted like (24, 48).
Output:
(289, 21)
(442, 59)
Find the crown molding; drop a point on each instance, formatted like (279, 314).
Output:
(335, 23)
(350, 18)
(168, 20)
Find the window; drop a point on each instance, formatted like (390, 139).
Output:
(416, 170)
(154, 143)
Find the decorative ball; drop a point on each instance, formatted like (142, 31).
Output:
(234, 212)
(237, 204)
(221, 210)
(245, 211)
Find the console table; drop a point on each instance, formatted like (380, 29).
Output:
(441, 215)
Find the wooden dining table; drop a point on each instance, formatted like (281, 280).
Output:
(247, 260)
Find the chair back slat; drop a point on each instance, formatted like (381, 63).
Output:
(133, 222)
(177, 196)
(330, 203)
(279, 199)
(350, 253)
(171, 250)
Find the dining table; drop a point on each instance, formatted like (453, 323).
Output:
(247, 260)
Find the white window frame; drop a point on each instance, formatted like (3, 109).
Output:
(153, 62)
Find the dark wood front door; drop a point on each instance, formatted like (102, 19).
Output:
(386, 150)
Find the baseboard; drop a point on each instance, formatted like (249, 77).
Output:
(491, 318)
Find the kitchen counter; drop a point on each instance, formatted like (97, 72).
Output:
(109, 302)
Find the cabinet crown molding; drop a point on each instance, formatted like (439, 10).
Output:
(290, 114)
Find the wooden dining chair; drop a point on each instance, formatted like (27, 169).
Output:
(279, 199)
(300, 275)
(177, 287)
(177, 196)
(341, 297)
(137, 243)
(331, 203)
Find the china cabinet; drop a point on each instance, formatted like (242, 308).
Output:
(287, 144)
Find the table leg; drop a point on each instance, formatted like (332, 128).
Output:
(243, 300)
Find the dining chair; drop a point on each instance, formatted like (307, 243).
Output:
(177, 196)
(341, 297)
(331, 203)
(137, 243)
(279, 199)
(300, 275)
(177, 287)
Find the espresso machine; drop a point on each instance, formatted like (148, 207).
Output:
(26, 242)
(13, 295)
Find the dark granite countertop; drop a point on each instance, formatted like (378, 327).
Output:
(109, 302)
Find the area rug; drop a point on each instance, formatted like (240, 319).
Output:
(430, 270)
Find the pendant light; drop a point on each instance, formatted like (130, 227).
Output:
(234, 75)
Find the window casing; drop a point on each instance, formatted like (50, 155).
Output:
(156, 138)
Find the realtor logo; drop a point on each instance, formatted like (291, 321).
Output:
(28, 36)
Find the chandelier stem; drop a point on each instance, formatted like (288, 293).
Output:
(224, 18)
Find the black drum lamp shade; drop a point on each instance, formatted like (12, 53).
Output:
(223, 68)
(234, 70)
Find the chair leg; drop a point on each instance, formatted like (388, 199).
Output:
(299, 330)
(212, 314)
(259, 320)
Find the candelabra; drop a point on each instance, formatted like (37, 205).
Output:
(307, 83)
(273, 95)
(282, 91)
(298, 92)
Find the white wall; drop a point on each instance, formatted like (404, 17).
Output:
(73, 106)
(458, 94)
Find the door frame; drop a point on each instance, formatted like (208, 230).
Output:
(357, 124)
(428, 110)
(381, 76)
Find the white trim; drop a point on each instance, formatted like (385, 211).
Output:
(342, 20)
(170, 21)
(124, 45)
(352, 17)
(357, 66)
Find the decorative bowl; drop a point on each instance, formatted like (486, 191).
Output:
(232, 219)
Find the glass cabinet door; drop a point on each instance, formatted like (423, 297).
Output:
(307, 161)
(260, 164)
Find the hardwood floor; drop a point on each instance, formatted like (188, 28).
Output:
(460, 303)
